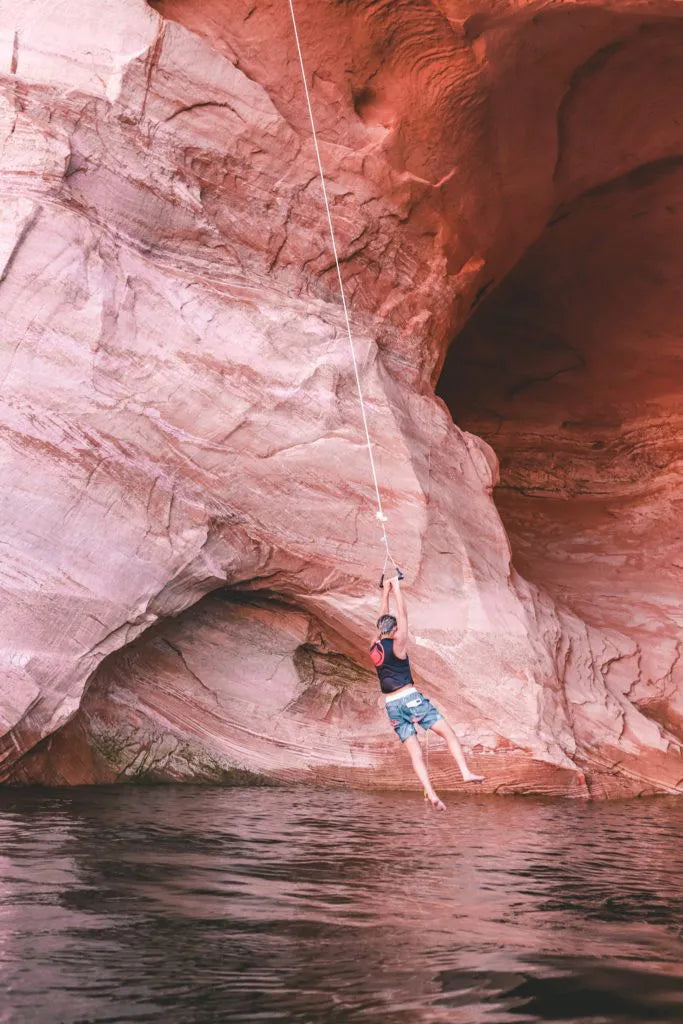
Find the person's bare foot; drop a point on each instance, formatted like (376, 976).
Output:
(471, 777)
(437, 804)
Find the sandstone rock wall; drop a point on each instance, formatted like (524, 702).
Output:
(179, 415)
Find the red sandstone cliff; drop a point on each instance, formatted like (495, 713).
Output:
(188, 543)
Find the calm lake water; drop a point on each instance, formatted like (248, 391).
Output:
(191, 904)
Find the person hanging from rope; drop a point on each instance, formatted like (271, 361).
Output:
(406, 706)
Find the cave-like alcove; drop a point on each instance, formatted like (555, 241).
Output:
(572, 370)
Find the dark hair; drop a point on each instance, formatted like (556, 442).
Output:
(386, 623)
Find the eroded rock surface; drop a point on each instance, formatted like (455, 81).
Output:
(179, 412)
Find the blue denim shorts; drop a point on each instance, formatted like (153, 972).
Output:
(407, 712)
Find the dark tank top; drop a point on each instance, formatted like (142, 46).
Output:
(393, 672)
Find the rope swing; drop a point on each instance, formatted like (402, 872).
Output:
(379, 514)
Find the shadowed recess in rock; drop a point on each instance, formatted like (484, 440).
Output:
(573, 371)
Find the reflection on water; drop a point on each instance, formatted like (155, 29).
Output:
(189, 904)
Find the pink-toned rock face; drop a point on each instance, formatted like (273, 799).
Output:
(179, 410)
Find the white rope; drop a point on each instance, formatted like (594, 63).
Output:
(380, 511)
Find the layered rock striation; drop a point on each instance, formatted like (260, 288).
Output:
(189, 543)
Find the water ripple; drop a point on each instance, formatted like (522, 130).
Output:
(188, 904)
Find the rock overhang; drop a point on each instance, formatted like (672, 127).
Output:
(185, 273)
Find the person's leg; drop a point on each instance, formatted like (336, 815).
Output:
(412, 745)
(445, 730)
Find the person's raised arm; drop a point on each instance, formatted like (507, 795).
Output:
(401, 635)
(386, 598)
(384, 605)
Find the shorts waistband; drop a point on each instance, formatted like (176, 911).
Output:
(397, 696)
